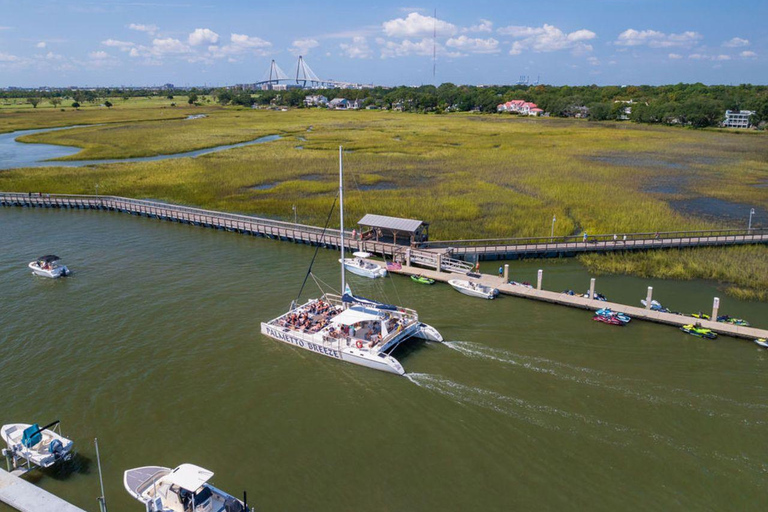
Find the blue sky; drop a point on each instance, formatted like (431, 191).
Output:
(191, 42)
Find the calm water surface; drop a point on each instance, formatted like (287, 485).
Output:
(153, 346)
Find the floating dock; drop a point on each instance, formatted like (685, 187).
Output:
(575, 301)
(26, 497)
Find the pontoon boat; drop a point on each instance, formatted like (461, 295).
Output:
(184, 489)
(42, 447)
(48, 266)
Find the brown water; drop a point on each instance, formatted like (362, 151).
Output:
(153, 346)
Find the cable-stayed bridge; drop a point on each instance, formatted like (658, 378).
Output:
(304, 77)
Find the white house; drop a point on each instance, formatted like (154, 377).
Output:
(737, 118)
(315, 101)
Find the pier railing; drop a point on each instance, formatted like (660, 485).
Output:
(600, 243)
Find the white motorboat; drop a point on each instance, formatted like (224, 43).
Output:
(184, 489)
(350, 328)
(42, 447)
(48, 266)
(762, 342)
(358, 265)
(474, 289)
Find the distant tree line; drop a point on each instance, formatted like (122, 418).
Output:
(695, 105)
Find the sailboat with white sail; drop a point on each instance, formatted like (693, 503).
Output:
(347, 327)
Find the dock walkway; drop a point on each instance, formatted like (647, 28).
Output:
(26, 497)
(638, 313)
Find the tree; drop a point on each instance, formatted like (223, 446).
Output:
(599, 111)
(108, 104)
(170, 96)
(75, 105)
(192, 99)
(34, 101)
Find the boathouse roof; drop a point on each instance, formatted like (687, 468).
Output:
(391, 223)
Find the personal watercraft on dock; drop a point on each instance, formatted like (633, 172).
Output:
(596, 296)
(701, 332)
(655, 306)
(734, 321)
(607, 312)
(700, 315)
(611, 320)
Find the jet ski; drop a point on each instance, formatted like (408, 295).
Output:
(624, 318)
(730, 320)
(422, 279)
(697, 330)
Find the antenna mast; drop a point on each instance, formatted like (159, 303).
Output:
(434, 45)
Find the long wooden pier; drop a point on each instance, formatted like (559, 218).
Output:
(575, 301)
(26, 497)
(447, 255)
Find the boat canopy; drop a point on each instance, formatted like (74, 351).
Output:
(348, 297)
(189, 477)
(49, 258)
(362, 254)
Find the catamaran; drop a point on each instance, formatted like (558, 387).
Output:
(358, 265)
(48, 266)
(347, 327)
(184, 489)
(39, 446)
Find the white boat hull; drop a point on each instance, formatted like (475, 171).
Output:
(429, 333)
(53, 273)
(39, 454)
(479, 291)
(763, 343)
(353, 354)
(370, 270)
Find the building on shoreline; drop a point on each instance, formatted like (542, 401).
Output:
(738, 118)
(522, 107)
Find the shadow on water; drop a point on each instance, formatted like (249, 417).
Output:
(79, 464)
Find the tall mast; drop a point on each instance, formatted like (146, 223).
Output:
(341, 212)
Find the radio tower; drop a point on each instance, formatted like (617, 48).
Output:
(434, 46)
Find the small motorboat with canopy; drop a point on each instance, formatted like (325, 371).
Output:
(184, 489)
(360, 266)
(348, 327)
(36, 445)
(48, 266)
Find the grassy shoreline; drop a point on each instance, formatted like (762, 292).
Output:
(471, 176)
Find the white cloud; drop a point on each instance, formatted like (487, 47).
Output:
(168, 45)
(473, 45)
(406, 47)
(122, 45)
(748, 54)
(7, 57)
(547, 38)
(41, 44)
(203, 35)
(593, 61)
(736, 42)
(240, 44)
(303, 46)
(149, 29)
(417, 25)
(656, 39)
(703, 56)
(100, 55)
(675, 56)
(54, 56)
(357, 49)
(483, 26)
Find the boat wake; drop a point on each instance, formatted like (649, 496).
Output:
(623, 385)
(571, 423)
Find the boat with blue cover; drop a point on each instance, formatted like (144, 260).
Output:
(607, 312)
(36, 445)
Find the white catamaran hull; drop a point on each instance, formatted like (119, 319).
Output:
(353, 354)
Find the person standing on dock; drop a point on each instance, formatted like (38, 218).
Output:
(501, 270)
(585, 237)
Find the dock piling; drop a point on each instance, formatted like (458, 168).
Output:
(506, 272)
(715, 308)
(649, 297)
(592, 289)
(538, 281)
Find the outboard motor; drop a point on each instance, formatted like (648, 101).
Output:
(233, 505)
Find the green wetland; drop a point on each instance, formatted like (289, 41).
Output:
(153, 346)
(470, 176)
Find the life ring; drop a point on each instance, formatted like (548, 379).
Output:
(359, 344)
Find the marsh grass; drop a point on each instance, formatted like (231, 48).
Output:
(469, 176)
